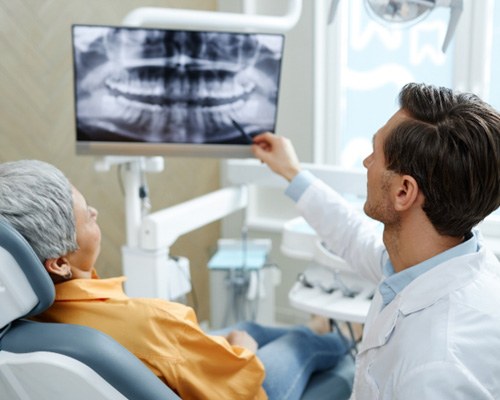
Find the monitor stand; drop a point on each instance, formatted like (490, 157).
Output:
(150, 273)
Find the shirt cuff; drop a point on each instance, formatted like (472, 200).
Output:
(299, 184)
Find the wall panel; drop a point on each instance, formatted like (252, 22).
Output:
(37, 121)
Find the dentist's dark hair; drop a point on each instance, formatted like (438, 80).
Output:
(36, 199)
(451, 147)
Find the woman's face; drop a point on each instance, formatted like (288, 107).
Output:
(88, 237)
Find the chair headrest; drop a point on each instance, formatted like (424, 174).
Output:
(25, 286)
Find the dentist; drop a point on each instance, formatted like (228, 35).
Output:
(433, 329)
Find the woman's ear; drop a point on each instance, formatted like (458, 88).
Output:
(58, 268)
(407, 193)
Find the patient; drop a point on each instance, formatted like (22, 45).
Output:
(252, 362)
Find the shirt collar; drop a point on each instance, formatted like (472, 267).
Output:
(396, 282)
(90, 289)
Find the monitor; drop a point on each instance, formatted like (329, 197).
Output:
(144, 91)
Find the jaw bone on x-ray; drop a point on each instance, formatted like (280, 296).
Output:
(152, 85)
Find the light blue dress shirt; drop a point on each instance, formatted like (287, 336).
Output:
(299, 184)
(396, 282)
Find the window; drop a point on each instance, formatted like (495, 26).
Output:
(494, 87)
(377, 61)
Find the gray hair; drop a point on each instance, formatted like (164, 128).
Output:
(36, 199)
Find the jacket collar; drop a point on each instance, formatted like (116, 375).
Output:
(381, 324)
(442, 280)
(90, 289)
(424, 291)
(396, 282)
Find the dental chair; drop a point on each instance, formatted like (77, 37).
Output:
(52, 361)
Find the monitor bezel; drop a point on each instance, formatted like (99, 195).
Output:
(140, 148)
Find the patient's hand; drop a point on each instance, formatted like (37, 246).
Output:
(242, 339)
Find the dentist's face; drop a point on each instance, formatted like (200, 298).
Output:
(88, 236)
(378, 203)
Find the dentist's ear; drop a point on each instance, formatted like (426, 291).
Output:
(407, 193)
(58, 268)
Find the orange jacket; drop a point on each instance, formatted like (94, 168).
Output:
(165, 336)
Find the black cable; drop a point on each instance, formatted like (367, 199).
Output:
(350, 346)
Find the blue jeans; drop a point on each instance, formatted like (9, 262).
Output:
(291, 355)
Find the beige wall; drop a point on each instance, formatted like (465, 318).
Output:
(37, 121)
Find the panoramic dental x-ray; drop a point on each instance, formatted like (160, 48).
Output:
(153, 85)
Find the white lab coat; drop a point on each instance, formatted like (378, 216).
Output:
(440, 337)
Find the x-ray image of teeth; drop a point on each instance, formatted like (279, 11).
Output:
(151, 85)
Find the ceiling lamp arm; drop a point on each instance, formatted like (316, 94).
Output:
(173, 18)
(333, 10)
(456, 8)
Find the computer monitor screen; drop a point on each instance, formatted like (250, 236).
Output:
(143, 91)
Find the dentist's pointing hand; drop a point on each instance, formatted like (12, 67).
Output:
(278, 153)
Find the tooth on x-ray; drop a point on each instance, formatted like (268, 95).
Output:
(157, 85)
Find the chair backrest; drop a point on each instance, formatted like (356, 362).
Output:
(45, 361)
(25, 287)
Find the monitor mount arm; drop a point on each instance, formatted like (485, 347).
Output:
(221, 21)
(150, 270)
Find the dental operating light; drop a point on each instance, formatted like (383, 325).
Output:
(404, 13)
(400, 12)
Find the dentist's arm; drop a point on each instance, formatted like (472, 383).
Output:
(278, 153)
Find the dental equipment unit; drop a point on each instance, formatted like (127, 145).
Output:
(146, 260)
